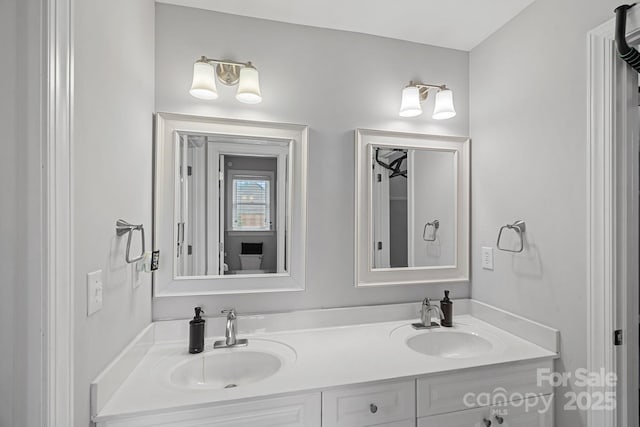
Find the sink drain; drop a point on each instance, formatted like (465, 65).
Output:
(230, 386)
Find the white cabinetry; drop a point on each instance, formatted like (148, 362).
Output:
(440, 400)
(295, 411)
(389, 404)
(530, 412)
(449, 392)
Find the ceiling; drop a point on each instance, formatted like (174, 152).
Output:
(455, 24)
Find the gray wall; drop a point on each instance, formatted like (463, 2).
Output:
(434, 199)
(112, 152)
(332, 81)
(529, 129)
(21, 315)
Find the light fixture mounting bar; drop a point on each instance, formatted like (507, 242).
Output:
(424, 89)
(224, 61)
(227, 71)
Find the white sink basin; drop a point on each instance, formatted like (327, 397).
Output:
(231, 367)
(449, 344)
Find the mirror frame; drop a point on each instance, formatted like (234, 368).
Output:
(365, 274)
(165, 186)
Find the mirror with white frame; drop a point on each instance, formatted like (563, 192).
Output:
(229, 205)
(412, 208)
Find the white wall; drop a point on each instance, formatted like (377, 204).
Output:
(112, 151)
(332, 81)
(10, 196)
(21, 347)
(434, 198)
(529, 129)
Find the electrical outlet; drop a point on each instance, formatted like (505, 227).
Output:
(487, 258)
(94, 292)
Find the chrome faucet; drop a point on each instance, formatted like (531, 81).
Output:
(425, 316)
(230, 332)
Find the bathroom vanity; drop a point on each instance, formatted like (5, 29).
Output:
(352, 367)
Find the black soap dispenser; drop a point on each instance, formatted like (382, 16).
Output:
(446, 306)
(196, 333)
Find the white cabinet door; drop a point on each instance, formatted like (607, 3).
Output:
(532, 412)
(450, 392)
(369, 405)
(294, 411)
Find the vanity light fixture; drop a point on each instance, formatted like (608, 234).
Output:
(230, 73)
(414, 93)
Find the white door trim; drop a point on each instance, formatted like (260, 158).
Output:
(612, 216)
(58, 289)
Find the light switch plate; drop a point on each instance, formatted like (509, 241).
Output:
(94, 292)
(487, 258)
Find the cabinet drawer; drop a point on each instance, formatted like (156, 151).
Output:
(369, 405)
(444, 393)
(468, 418)
(533, 412)
(404, 423)
(294, 411)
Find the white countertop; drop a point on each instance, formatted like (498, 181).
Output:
(322, 358)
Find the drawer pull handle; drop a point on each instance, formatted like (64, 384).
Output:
(499, 419)
(486, 422)
(373, 408)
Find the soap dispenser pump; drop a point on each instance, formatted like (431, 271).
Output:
(446, 306)
(196, 332)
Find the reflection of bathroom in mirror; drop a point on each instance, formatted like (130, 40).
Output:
(231, 217)
(413, 207)
(230, 205)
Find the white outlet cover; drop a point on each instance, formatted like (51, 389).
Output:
(487, 258)
(94, 292)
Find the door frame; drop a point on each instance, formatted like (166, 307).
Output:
(612, 259)
(57, 237)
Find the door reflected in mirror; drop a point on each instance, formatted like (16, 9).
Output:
(230, 206)
(413, 200)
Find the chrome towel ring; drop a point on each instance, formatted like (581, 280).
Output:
(435, 224)
(123, 227)
(519, 227)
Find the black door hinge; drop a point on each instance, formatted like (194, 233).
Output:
(189, 250)
(379, 246)
(155, 260)
(617, 337)
(379, 177)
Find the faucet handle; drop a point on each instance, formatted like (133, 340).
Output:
(230, 312)
(426, 301)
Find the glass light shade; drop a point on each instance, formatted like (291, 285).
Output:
(410, 106)
(204, 81)
(249, 86)
(444, 105)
